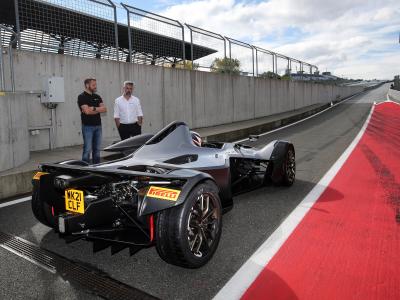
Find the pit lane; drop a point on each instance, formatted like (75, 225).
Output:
(318, 141)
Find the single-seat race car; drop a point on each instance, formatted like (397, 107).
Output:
(167, 192)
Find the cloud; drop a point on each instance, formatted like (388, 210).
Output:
(347, 37)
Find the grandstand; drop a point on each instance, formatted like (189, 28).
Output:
(47, 27)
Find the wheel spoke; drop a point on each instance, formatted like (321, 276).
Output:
(205, 205)
(207, 242)
(194, 242)
(202, 224)
(199, 244)
(202, 203)
(209, 214)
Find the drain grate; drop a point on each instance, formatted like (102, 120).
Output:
(88, 279)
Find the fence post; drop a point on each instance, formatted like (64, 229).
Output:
(183, 43)
(191, 45)
(273, 63)
(252, 57)
(256, 61)
(18, 28)
(2, 76)
(115, 29)
(129, 32)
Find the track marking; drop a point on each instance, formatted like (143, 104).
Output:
(9, 203)
(388, 100)
(249, 271)
(305, 119)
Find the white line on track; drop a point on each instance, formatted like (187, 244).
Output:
(388, 100)
(246, 275)
(9, 203)
(305, 119)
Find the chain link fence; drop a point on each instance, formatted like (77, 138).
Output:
(265, 62)
(154, 38)
(209, 39)
(85, 28)
(103, 29)
(244, 53)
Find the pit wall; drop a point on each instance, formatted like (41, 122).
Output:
(201, 99)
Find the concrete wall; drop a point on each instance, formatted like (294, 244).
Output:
(14, 143)
(199, 98)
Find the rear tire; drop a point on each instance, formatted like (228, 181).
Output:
(41, 210)
(188, 235)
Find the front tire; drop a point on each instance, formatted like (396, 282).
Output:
(289, 168)
(188, 235)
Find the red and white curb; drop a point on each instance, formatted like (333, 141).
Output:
(245, 276)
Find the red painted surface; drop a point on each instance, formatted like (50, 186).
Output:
(348, 245)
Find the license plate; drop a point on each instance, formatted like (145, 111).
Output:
(74, 201)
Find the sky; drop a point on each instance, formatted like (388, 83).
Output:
(350, 38)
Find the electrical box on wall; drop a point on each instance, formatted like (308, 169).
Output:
(53, 90)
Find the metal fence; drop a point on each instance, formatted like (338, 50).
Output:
(153, 37)
(244, 53)
(206, 38)
(104, 30)
(84, 28)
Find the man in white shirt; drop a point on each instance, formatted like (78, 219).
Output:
(128, 113)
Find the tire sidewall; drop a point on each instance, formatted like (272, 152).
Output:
(205, 187)
(286, 180)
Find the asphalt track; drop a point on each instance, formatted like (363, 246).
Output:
(319, 142)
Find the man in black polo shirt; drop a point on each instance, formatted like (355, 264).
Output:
(91, 106)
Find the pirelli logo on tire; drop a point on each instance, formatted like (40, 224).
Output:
(163, 193)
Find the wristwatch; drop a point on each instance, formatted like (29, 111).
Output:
(94, 108)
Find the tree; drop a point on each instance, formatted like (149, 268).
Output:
(269, 74)
(226, 65)
(187, 65)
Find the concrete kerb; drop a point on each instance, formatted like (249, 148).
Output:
(16, 184)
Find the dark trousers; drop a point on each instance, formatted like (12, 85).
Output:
(128, 130)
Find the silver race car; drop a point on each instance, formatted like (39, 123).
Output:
(168, 190)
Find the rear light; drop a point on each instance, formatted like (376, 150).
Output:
(38, 175)
(151, 227)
